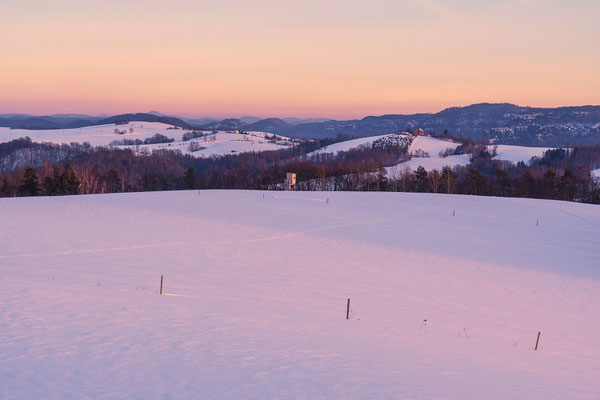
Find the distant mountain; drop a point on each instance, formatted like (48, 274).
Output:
(56, 121)
(249, 119)
(126, 118)
(501, 123)
(230, 124)
(297, 121)
(508, 123)
(21, 116)
(76, 116)
(157, 113)
(35, 123)
(200, 121)
(270, 125)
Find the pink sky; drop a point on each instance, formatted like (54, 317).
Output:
(340, 60)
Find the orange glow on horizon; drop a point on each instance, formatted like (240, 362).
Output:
(296, 59)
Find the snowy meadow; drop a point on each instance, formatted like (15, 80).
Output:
(447, 296)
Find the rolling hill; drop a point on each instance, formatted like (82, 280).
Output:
(110, 134)
(448, 294)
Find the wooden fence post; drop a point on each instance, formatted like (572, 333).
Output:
(161, 283)
(537, 341)
(348, 310)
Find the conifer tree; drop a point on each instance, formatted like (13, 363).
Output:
(48, 186)
(189, 180)
(30, 185)
(549, 184)
(502, 182)
(113, 181)
(58, 184)
(5, 187)
(70, 179)
(421, 179)
(448, 179)
(477, 181)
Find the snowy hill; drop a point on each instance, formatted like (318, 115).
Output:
(447, 295)
(516, 154)
(426, 152)
(433, 147)
(220, 143)
(353, 143)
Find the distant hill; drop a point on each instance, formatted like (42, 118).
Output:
(69, 121)
(297, 121)
(501, 123)
(56, 121)
(230, 124)
(200, 121)
(126, 118)
(270, 125)
(249, 119)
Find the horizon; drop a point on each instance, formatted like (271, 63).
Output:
(283, 117)
(306, 59)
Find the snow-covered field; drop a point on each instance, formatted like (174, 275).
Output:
(433, 147)
(447, 294)
(350, 144)
(517, 154)
(102, 135)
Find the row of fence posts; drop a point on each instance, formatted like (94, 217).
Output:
(347, 310)
(537, 341)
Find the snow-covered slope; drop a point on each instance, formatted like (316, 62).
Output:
(99, 135)
(447, 295)
(351, 144)
(221, 143)
(516, 154)
(434, 146)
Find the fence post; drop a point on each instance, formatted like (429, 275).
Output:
(161, 283)
(537, 341)
(348, 310)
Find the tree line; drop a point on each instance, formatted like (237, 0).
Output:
(562, 174)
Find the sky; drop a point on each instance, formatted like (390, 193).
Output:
(309, 58)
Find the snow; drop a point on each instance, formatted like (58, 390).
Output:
(98, 135)
(432, 146)
(434, 162)
(517, 154)
(350, 144)
(596, 173)
(103, 135)
(256, 292)
(228, 143)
